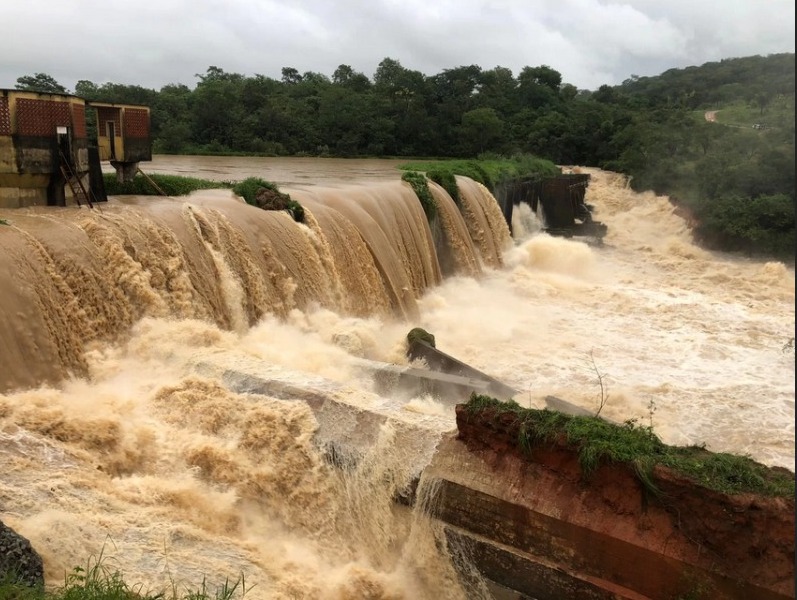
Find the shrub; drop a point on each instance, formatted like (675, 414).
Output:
(420, 186)
(420, 335)
(266, 195)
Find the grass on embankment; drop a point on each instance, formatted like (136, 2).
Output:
(177, 185)
(486, 170)
(598, 441)
(172, 185)
(98, 582)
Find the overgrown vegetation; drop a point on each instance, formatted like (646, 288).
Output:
(598, 442)
(97, 581)
(489, 170)
(266, 195)
(421, 335)
(247, 189)
(177, 185)
(420, 186)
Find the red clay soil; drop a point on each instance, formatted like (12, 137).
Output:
(745, 537)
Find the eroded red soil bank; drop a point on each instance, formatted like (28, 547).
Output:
(533, 524)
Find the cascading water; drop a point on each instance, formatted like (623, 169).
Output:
(123, 430)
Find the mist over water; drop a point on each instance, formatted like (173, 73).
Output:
(134, 315)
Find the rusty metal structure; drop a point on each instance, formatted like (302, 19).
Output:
(43, 149)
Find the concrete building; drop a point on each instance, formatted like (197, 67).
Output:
(123, 136)
(43, 149)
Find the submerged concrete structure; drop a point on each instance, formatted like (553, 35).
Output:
(123, 136)
(43, 147)
(559, 201)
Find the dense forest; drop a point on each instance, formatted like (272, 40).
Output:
(735, 177)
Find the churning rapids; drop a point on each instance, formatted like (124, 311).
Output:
(120, 435)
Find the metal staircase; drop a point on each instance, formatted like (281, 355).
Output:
(79, 191)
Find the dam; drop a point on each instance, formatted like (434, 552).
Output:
(173, 366)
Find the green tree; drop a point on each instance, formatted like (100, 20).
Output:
(172, 114)
(346, 76)
(401, 95)
(344, 119)
(217, 110)
(542, 75)
(291, 76)
(86, 89)
(481, 129)
(497, 89)
(342, 74)
(539, 86)
(40, 82)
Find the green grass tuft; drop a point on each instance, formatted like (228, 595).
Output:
(96, 581)
(490, 171)
(420, 186)
(172, 185)
(247, 189)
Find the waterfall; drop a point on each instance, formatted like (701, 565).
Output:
(86, 276)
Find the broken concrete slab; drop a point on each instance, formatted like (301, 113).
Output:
(439, 361)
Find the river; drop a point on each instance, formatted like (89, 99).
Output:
(137, 448)
(288, 172)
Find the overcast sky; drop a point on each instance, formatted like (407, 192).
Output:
(590, 42)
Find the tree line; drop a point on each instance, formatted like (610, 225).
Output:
(737, 181)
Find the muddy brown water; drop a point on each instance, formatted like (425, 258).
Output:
(289, 172)
(136, 448)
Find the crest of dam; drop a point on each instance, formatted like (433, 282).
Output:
(76, 278)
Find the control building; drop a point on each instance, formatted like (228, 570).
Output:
(43, 149)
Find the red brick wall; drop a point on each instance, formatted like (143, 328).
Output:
(39, 118)
(79, 121)
(136, 123)
(5, 117)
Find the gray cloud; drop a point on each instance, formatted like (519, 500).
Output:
(591, 42)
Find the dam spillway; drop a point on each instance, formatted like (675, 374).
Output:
(88, 276)
(110, 432)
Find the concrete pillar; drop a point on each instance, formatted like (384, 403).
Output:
(125, 171)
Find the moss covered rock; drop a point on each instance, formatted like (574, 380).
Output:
(421, 335)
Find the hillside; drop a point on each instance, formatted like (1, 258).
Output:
(756, 80)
